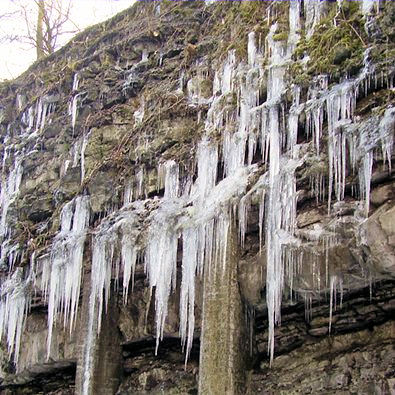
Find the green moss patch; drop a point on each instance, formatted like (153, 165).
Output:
(337, 44)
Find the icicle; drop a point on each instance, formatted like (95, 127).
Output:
(313, 10)
(386, 134)
(187, 293)
(294, 24)
(228, 73)
(139, 114)
(76, 82)
(14, 304)
(236, 143)
(161, 261)
(84, 144)
(144, 55)
(293, 120)
(30, 120)
(140, 182)
(39, 113)
(274, 265)
(89, 344)
(251, 49)
(171, 180)
(20, 102)
(308, 301)
(365, 179)
(169, 176)
(281, 209)
(107, 250)
(73, 104)
(44, 107)
(207, 169)
(102, 263)
(261, 219)
(128, 193)
(334, 281)
(180, 88)
(9, 192)
(244, 208)
(129, 258)
(367, 6)
(66, 265)
(73, 110)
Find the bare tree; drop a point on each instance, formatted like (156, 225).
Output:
(3, 18)
(43, 31)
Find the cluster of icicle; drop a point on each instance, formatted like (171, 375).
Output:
(200, 212)
(76, 156)
(33, 120)
(62, 268)
(61, 273)
(14, 305)
(16, 287)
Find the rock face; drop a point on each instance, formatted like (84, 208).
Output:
(199, 197)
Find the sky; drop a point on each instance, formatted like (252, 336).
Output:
(16, 57)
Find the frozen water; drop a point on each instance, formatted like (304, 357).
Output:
(367, 6)
(62, 282)
(14, 305)
(313, 10)
(139, 113)
(9, 191)
(85, 141)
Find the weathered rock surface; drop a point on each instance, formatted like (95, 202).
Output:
(144, 87)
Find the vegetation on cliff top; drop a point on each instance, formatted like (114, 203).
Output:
(336, 47)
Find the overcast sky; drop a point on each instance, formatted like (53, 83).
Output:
(17, 57)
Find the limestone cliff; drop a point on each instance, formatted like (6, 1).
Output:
(199, 197)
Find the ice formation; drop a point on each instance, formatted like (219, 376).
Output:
(201, 215)
(139, 113)
(85, 141)
(201, 212)
(14, 305)
(114, 253)
(313, 11)
(367, 6)
(336, 285)
(9, 191)
(73, 104)
(10, 185)
(61, 278)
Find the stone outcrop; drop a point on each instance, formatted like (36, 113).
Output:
(192, 170)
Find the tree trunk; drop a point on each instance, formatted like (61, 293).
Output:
(39, 32)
